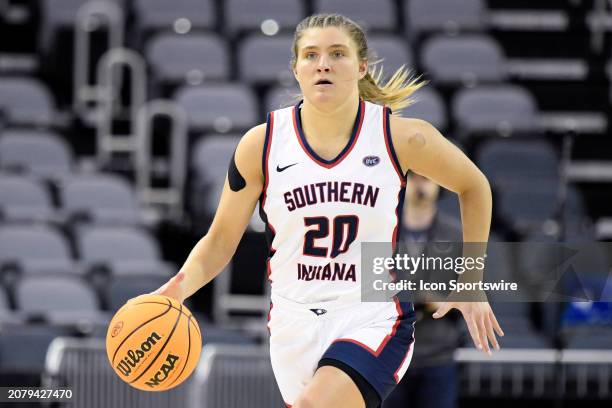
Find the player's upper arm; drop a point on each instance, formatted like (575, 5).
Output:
(237, 204)
(421, 148)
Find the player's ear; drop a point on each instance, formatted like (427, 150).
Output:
(363, 68)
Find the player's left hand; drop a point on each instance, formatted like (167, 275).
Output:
(480, 320)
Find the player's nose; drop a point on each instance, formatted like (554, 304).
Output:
(323, 65)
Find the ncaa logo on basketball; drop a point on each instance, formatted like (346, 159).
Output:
(371, 161)
(117, 328)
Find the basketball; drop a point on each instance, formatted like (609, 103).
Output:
(153, 343)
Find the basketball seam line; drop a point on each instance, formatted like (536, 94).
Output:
(187, 356)
(138, 328)
(162, 349)
(175, 308)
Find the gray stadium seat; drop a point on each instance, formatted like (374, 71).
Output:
(210, 160)
(498, 158)
(23, 348)
(162, 15)
(443, 15)
(122, 288)
(100, 198)
(468, 60)
(222, 108)
(190, 58)
(25, 100)
(429, 106)
(529, 206)
(248, 15)
(61, 300)
(35, 249)
(59, 14)
(263, 59)
(83, 364)
(39, 152)
(393, 52)
(236, 376)
(281, 97)
(124, 250)
(23, 199)
(494, 108)
(369, 14)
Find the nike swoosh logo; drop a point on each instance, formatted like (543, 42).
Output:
(279, 169)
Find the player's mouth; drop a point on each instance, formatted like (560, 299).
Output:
(323, 83)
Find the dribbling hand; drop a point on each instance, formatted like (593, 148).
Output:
(173, 288)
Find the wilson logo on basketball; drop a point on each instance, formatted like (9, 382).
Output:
(163, 373)
(117, 329)
(371, 160)
(133, 357)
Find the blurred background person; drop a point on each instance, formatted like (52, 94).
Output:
(431, 380)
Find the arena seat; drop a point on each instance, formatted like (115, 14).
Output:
(393, 51)
(188, 58)
(123, 250)
(497, 159)
(372, 15)
(451, 16)
(221, 108)
(52, 254)
(122, 287)
(265, 60)
(23, 347)
(83, 364)
(24, 199)
(429, 106)
(26, 101)
(42, 153)
(161, 15)
(494, 109)
(209, 162)
(60, 300)
(236, 376)
(99, 198)
(280, 97)
(467, 59)
(249, 15)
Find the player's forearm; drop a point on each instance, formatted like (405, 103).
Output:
(476, 206)
(206, 260)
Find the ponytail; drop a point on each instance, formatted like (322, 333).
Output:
(396, 93)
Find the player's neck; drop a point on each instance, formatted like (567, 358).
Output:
(321, 126)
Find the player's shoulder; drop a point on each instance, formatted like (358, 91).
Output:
(411, 132)
(253, 140)
(403, 126)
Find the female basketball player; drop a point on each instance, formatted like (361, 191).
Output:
(329, 174)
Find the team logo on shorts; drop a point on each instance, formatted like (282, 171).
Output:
(371, 161)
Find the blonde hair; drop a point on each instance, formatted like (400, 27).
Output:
(395, 93)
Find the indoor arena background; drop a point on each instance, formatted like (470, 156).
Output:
(117, 122)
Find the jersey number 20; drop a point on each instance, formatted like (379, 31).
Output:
(344, 232)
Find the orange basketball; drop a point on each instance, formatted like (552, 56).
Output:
(153, 343)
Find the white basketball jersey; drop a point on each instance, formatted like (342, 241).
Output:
(319, 211)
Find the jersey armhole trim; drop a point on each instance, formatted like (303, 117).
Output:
(266, 155)
(389, 145)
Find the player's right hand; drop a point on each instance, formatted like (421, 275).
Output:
(173, 288)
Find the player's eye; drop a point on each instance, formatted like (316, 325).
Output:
(310, 55)
(337, 54)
